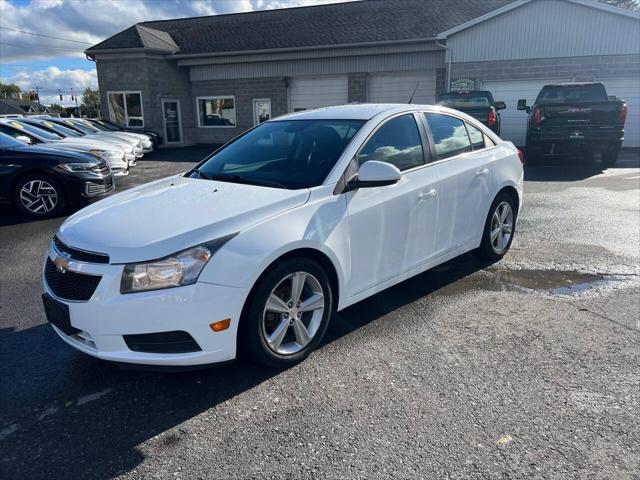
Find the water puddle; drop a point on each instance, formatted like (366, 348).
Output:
(551, 281)
(456, 279)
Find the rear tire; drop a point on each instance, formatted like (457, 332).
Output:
(609, 156)
(281, 330)
(499, 228)
(39, 195)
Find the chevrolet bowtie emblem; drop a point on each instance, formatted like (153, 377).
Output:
(62, 264)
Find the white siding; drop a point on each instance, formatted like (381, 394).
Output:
(317, 66)
(398, 87)
(306, 93)
(627, 89)
(547, 28)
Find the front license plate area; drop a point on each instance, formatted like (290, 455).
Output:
(58, 314)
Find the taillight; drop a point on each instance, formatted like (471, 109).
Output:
(537, 117)
(623, 114)
(521, 156)
(491, 120)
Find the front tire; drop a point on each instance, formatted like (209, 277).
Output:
(289, 313)
(39, 196)
(499, 228)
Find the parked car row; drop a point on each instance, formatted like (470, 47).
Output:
(47, 162)
(565, 119)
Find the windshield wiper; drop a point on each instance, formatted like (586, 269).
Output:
(241, 179)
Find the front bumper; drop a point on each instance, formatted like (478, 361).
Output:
(108, 316)
(83, 186)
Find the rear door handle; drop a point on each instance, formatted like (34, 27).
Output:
(483, 172)
(431, 193)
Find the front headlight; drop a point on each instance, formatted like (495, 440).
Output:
(106, 153)
(182, 268)
(78, 167)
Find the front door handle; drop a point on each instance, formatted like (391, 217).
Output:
(483, 172)
(431, 193)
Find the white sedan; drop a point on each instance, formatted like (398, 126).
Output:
(255, 247)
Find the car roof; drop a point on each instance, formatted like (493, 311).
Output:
(354, 111)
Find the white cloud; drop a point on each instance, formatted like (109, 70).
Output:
(96, 20)
(52, 79)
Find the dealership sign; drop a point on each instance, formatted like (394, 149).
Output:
(462, 84)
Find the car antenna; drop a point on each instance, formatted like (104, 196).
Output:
(414, 92)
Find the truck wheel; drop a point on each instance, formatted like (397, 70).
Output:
(609, 156)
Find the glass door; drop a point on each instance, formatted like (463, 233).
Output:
(172, 125)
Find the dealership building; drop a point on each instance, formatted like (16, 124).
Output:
(207, 79)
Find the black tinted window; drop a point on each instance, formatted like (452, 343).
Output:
(449, 135)
(572, 93)
(476, 136)
(291, 154)
(397, 142)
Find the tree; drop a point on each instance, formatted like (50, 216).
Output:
(10, 90)
(55, 107)
(629, 4)
(90, 106)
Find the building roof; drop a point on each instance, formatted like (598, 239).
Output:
(23, 106)
(348, 23)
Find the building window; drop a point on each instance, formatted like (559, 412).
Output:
(261, 110)
(216, 112)
(125, 108)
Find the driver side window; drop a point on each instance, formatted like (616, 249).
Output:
(397, 142)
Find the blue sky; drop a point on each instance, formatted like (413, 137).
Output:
(55, 64)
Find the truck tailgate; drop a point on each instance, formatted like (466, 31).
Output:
(586, 114)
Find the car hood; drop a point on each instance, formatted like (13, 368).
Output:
(163, 217)
(89, 144)
(69, 156)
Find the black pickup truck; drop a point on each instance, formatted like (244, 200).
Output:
(477, 104)
(574, 118)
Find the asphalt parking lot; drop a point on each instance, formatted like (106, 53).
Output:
(526, 368)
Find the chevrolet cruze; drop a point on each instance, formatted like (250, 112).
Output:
(255, 247)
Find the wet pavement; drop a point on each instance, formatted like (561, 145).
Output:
(525, 368)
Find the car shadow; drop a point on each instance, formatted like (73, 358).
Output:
(90, 417)
(576, 168)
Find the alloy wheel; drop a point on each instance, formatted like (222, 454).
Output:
(501, 227)
(293, 313)
(38, 196)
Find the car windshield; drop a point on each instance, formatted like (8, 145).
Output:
(109, 125)
(9, 142)
(39, 132)
(284, 154)
(57, 128)
(462, 100)
(100, 126)
(78, 126)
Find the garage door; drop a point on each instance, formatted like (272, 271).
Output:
(628, 89)
(306, 93)
(513, 121)
(398, 87)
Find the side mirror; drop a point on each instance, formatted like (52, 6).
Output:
(522, 105)
(501, 105)
(375, 174)
(24, 139)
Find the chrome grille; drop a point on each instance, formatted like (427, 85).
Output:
(69, 285)
(78, 255)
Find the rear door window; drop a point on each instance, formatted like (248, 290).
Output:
(476, 137)
(449, 134)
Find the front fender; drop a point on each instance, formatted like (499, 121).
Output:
(320, 225)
